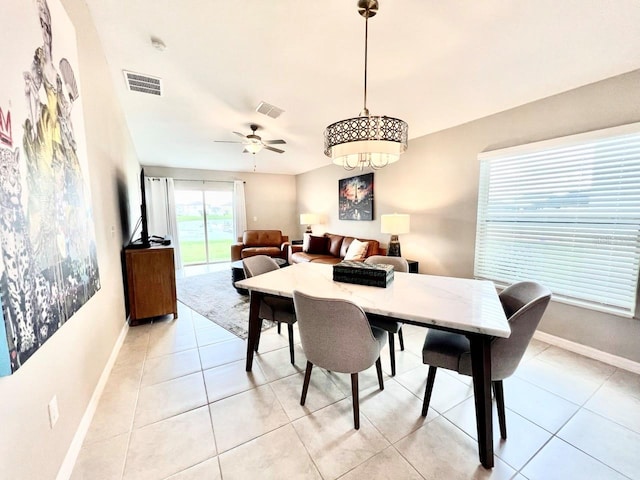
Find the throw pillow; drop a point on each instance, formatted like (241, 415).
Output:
(357, 250)
(315, 245)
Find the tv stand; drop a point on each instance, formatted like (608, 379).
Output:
(138, 245)
(151, 283)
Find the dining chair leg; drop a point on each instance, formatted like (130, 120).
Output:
(290, 328)
(431, 378)
(401, 339)
(279, 324)
(379, 372)
(255, 348)
(502, 420)
(305, 384)
(392, 354)
(356, 401)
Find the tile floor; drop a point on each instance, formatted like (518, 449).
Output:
(179, 405)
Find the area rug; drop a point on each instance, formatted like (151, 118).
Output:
(213, 296)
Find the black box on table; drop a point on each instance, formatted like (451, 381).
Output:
(375, 275)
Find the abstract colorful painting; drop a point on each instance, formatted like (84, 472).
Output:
(48, 261)
(355, 198)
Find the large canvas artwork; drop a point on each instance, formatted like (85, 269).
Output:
(355, 198)
(48, 262)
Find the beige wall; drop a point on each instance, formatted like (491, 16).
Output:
(270, 199)
(436, 181)
(70, 363)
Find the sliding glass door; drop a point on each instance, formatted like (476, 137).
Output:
(205, 221)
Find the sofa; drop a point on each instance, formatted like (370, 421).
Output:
(330, 248)
(260, 242)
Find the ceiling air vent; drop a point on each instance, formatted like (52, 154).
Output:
(269, 110)
(137, 82)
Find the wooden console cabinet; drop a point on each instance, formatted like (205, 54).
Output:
(151, 283)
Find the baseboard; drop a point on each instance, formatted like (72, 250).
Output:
(589, 352)
(66, 469)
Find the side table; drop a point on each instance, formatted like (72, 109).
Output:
(413, 266)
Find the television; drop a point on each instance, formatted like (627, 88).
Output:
(143, 241)
(144, 233)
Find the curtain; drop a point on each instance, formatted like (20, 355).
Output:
(161, 212)
(239, 209)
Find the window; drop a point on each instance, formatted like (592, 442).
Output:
(565, 213)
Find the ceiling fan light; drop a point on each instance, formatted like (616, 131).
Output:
(253, 147)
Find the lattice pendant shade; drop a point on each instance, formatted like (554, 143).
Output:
(378, 141)
(366, 140)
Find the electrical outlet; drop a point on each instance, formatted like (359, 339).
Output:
(53, 411)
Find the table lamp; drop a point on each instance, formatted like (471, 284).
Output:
(394, 224)
(309, 219)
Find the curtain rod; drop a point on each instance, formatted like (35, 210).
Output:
(201, 181)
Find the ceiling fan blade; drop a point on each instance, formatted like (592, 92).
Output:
(277, 150)
(240, 134)
(275, 142)
(226, 141)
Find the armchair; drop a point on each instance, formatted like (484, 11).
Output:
(260, 242)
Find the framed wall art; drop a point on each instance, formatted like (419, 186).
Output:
(48, 258)
(355, 198)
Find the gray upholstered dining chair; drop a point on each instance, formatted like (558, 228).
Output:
(336, 335)
(276, 309)
(388, 324)
(524, 304)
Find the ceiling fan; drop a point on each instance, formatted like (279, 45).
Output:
(253, 143)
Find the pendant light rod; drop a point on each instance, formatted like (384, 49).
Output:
(366, 8)
(365, 111)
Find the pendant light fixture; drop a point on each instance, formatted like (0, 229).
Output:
(366, 140)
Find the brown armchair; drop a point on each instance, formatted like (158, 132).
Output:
(260, 242)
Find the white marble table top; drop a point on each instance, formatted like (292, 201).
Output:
(456, 303)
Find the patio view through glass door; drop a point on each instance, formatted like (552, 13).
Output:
(205, 221)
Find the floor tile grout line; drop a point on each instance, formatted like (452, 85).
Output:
(592, 457)
(545, 389)
(213, 430)
(291, 422)
(586, 408)
(578, 357)
(393, 445)
(206, 392)
(596, 414)
(610, 420)
(519, 471)
(135, 408)
(263, 433)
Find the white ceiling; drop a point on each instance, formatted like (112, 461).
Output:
(433, 63)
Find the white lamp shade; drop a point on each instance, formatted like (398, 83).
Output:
(253, 147)
(395, 224)
(309, 219)
(376, 152)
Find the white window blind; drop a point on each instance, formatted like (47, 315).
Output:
(565, 213)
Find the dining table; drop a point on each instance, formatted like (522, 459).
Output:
(461, 305)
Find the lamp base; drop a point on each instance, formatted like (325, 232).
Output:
(308, 230)
(394, 247)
